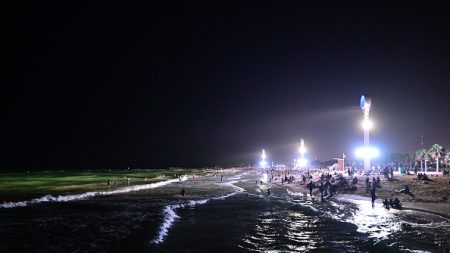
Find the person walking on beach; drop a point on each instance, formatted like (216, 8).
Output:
(310, 188)
(321, 190)
(372, 193)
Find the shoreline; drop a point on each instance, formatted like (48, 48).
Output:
(430, 197)
(406, 206)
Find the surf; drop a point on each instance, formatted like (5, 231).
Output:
(73, 197)
(170, 215)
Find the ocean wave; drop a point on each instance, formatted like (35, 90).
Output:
(302, 195)
(66, 198)
(170, 216)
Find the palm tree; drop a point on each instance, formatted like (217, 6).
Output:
(436, 152)
(422, 155)
(417, 158)
(410, 159)
(447, 159)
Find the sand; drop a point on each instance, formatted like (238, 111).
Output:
(428, 196)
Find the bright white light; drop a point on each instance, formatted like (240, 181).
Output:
(264, 177)
(302, 162)
(367, 124)
(302, 148)
(263, 156)
(263, 163)
(367, 152)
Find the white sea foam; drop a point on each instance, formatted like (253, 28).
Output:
(169, 218)
(231, 184)
(66, 198)
(170, 215)
(299, 202)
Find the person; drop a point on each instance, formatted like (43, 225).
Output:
(321, 189)
(386, 204)
(268, 192)
(391, 202)
(378, 182)
(367, 182)
(310, 188)
(406, 190)
(372, 193)
(221, 178)
(109, 183)
(183, 192)
(397, 203)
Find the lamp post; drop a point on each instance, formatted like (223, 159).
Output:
(263, 157)
(365, 103)
(302, 150)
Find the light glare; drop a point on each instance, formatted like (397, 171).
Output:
(302, 162)
(367, 152)
(367, 124)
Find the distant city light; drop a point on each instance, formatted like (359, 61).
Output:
(367, 152)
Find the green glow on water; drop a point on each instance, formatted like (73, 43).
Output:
(13, 185)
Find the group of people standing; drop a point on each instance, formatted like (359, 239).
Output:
(392, 203)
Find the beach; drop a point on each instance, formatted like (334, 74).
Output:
(222, 210)
(431, 196)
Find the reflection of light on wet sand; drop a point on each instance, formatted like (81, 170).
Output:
(377, 221)
(295, 230)
(264, 177)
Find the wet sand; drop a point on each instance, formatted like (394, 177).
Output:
(429, 196)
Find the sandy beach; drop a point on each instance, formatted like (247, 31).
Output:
(429, 196)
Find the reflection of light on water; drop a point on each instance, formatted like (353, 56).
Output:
(377, 221)
(264, 177)
(286, 231)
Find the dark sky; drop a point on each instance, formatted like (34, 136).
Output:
(156, 85)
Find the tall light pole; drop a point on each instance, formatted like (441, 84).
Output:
(302, 150)
(365, 103)
(263, 157)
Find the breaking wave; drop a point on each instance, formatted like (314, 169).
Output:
(66, 198)
(170, 215)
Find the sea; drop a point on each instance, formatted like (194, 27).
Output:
(230, 214)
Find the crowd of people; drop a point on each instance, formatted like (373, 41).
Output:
(329, 184)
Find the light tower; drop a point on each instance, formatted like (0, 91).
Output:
(263, 159)
(365, 104)
(302, 150)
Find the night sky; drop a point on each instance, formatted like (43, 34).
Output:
(167, 84)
